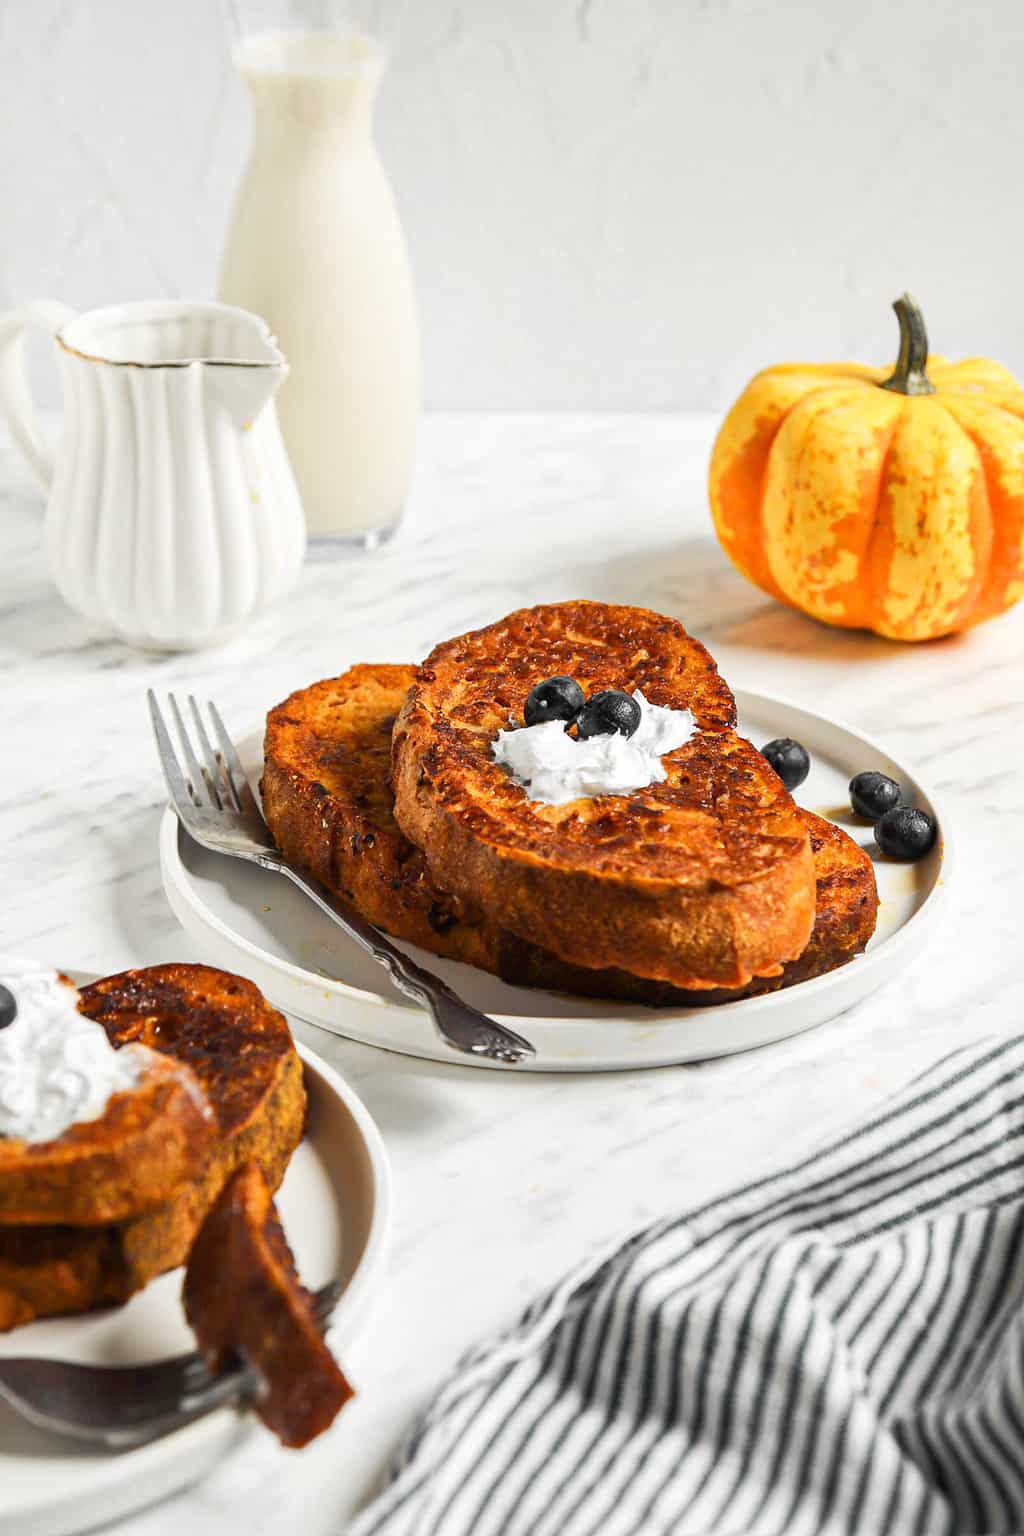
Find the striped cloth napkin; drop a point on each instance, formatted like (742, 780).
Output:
(835, 1348)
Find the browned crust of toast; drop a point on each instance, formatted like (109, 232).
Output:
(242, 1053)
(704, 880)
(243, 1297)
(845, 916)
(147, 1141)
(327, 800)
(330, 808)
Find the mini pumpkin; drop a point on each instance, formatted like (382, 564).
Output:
(875, 500)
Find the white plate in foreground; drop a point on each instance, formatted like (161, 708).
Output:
(259, 925)
(334, 1204)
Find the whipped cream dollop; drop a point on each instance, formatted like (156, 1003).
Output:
(554, 767)
(57, 1068)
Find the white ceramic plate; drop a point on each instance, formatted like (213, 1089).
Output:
(255, 923)
(334, 1204)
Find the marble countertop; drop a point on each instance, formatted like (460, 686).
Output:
(503, 1181)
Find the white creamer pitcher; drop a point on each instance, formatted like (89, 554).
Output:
(173, 514)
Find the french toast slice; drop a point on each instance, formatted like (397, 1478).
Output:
(148, 1140)
(241, 1051)
(846, 910)
(705, 880)
(329, 805)
(326, 796)
(243, 1298)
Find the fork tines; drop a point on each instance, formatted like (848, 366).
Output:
(213, 779)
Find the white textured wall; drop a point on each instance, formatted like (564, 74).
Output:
(610, 203)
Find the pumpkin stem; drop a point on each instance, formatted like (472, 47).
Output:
(909, 376)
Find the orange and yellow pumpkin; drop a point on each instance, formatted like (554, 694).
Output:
(876, 500)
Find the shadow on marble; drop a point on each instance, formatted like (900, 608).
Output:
(41, 628)
(781, 629)
(410, 1098)
(139, 912)
(26, 615)
(695, 582)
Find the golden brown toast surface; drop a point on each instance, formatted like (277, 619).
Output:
(327, 800)
(704, 880)
(146, 1143)
(241, 1051)
(243, 1297)
(218, 1024)
(329, 806)
(845, 916)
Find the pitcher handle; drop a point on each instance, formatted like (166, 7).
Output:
(16, 404)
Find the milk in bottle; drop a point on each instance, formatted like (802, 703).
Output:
(315, 246)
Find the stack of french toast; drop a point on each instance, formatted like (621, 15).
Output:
(706, 886)
(178, 1169)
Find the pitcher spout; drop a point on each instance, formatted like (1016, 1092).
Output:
(244, 390)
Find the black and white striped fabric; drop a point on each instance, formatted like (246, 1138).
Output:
(835, 1348)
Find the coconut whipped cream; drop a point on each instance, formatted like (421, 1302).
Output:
(554, 767)
(57, 1068)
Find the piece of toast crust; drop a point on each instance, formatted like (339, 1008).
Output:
(242, 1052)
(845, 915)
(148, 1140)
(329, 805)
(327, 800)
(243, 1297)
(703, 880)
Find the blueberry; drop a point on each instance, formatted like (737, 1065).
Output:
(8, 1007)
(789, 759)
(557, 698)
(904, 833)
(872, 794)
(607, 712)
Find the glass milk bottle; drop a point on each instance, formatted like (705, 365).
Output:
(316, 247)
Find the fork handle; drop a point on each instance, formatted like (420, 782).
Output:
(460, 1026)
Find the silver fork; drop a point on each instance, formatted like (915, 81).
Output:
(217, 807)
(121, 1406)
